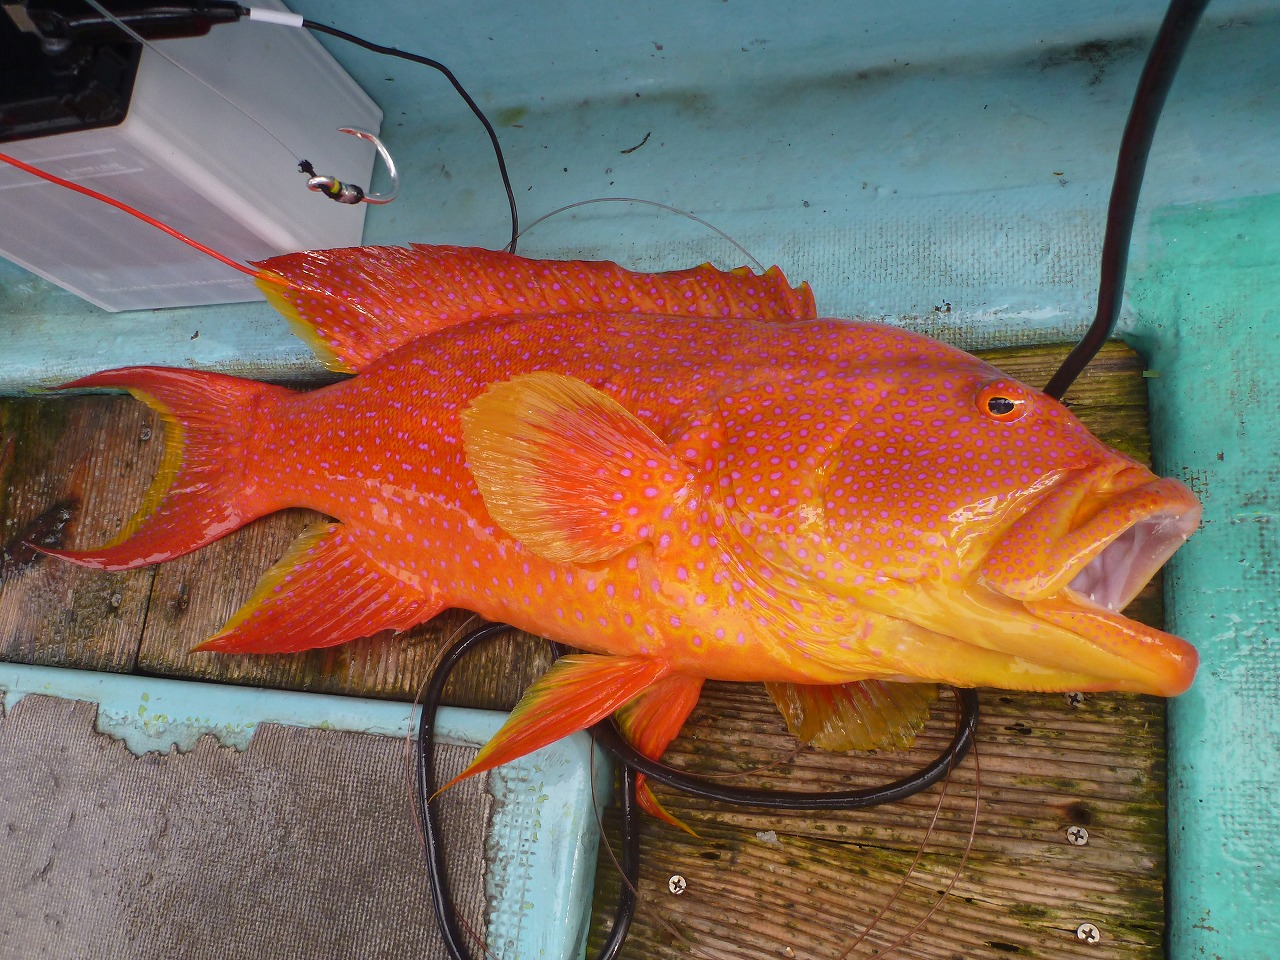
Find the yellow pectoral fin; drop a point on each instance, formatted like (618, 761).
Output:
(576, 692)
(566, 469)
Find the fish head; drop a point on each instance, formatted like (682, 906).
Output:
(984, 533)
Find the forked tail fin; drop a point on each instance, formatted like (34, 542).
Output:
(211, 480)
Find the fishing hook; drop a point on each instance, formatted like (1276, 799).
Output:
(335, 189)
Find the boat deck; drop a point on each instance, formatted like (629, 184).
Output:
(760, 884)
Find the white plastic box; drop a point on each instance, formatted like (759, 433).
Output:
(218, 162)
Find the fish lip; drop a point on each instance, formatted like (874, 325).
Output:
(1110, 576)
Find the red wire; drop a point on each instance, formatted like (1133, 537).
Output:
(12, 161)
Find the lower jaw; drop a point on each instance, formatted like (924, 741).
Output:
(1152, 661)
(1046, 646)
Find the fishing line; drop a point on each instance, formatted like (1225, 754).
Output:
(288, 19)
(653, 203)
(632, 761)
(1131, 164)
(955, 877)
(139, 38)
(120, 205)
(457, 85)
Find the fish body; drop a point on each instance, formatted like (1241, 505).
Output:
(687, 476)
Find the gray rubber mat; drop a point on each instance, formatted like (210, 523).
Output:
(303, 846)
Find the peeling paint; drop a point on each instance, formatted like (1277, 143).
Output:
(542, 838)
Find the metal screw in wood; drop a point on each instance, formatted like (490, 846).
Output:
(677, 884)
(1088, 932)
(1077, 836)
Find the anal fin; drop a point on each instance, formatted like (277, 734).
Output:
(651, 722)
(862, 715)
(576, 692)
(324, 591)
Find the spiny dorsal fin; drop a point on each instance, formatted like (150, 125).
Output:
(862, 715)
(352, 305)
(566, 469)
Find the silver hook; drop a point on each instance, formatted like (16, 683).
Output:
(335, 189)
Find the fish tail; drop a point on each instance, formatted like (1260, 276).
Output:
(208, 483)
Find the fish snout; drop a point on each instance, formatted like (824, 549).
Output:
(1078, 558)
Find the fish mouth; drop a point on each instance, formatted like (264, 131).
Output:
(1118, 573)
(1077, 559)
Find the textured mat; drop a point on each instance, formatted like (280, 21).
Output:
(303, 846)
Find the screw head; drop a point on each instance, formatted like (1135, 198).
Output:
(1077, 836)
(677, 884)
(1088, 932)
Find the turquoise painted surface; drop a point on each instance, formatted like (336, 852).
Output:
(1207, 309)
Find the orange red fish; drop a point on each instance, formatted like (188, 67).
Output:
(685, 476)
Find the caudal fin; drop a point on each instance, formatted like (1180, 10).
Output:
(207, 485)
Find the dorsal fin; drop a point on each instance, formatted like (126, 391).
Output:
(354, 304)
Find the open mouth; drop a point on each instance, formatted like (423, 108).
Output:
(1115, 576)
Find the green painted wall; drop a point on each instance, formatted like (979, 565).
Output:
(1207, 311)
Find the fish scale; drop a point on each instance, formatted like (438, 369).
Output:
(688, 476)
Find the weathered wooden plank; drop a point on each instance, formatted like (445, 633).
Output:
(73, 471)
(761, 881)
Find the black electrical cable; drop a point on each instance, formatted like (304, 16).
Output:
(609, 737)
(632, 761)
(441, 897)
(1131, 164)
(457, 85)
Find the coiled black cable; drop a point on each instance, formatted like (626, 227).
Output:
(632, 761)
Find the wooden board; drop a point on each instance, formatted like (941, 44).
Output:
(760, 884)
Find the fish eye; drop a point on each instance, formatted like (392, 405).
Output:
(1002, 401)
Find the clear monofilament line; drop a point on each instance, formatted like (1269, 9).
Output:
(139, 38)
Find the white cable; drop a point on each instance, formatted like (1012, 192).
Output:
(284, 18)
